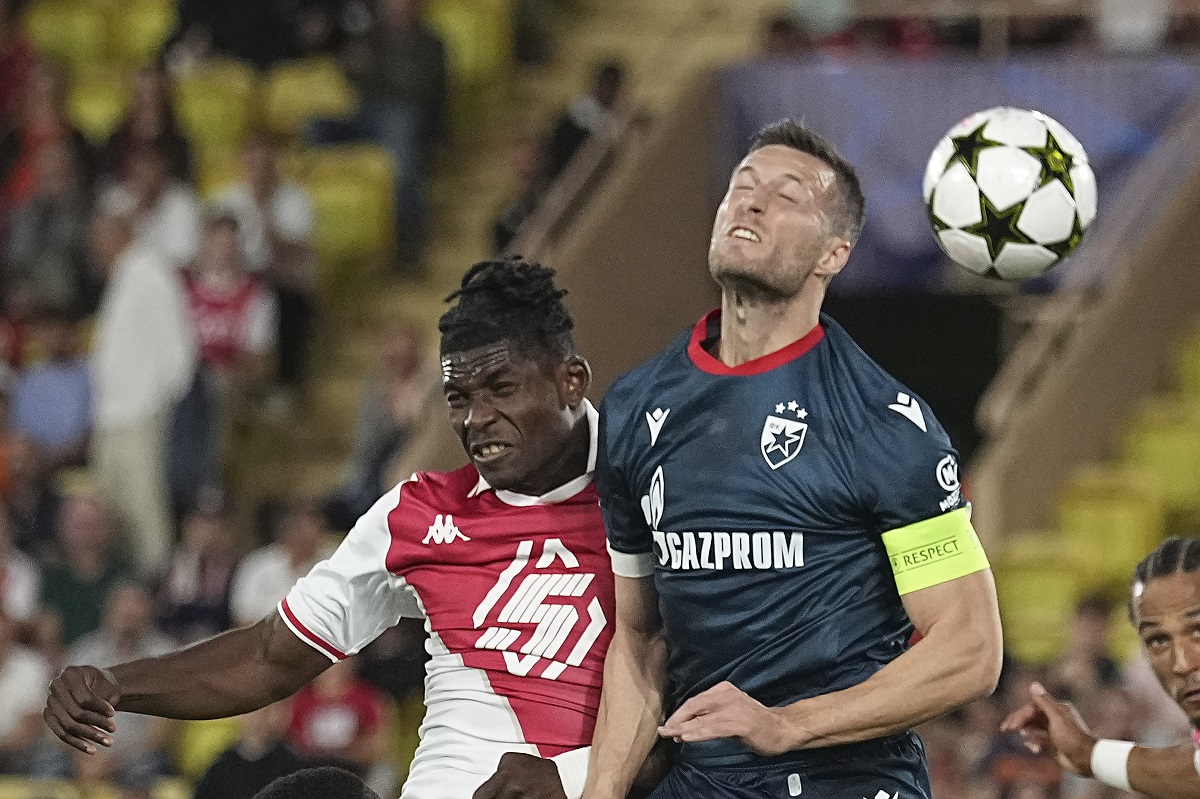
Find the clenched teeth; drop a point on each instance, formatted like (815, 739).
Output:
(742, 233)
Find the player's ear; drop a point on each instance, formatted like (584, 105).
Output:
(574, 377)
(834, 259)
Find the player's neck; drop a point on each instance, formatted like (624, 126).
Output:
(752, 328)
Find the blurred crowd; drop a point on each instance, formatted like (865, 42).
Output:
(970, 759)
(146, 323)
(1114, 26)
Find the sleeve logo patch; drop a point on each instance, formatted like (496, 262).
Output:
(947, 473)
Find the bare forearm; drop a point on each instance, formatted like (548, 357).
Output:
(946, 669)
(1164, 773)
(630, 712)
(230, 674)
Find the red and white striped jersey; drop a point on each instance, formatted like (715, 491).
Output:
(517, 593)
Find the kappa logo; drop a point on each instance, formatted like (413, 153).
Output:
(444, 531)
(655, 419)
(910, 409)
(781, 437)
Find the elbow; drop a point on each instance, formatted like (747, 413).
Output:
(985, 659)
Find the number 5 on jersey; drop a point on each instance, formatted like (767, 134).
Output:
(532, 603)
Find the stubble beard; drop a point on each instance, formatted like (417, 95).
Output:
(766, 281)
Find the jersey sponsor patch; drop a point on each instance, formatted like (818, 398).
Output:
(720, 551)
(934, 551)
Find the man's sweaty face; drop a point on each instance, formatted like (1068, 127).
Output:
(507, 413)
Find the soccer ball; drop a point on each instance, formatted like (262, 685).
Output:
(1009, 193)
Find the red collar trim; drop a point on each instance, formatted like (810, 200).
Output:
(714, 366)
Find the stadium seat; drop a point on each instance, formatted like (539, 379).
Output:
(1111, 517)
(1037, 581)
(73, 34)
(477, 34)
(1187, 363)
(1163, 443)
(297, 91)
(348, 232)
(19, 788)
(217, 172)
(97, 101)
(200, 743)
(214, 104)
(140, 29)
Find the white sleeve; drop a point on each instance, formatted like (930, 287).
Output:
(573, 769)
(293, 214)
(258, 335)
(348, 600)
(1196, 761)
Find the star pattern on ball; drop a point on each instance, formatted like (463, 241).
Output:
(997, 228)
(1064, 248)
(968, 146)
(1056, 162)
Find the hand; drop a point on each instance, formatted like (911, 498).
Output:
(725, 711)
(81, 706)
(521, 776)
(1048, 724)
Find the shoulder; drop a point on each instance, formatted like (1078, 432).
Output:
(871, 397)
(439, 487)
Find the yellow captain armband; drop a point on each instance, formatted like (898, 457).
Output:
(934, 551)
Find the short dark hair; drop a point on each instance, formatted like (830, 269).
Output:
(1176, 555)
(850, 210)
(322, 782)
(512, 300)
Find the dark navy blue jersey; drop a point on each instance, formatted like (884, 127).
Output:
(756, 496)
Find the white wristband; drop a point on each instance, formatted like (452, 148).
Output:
(572, 770)
(1110, 762)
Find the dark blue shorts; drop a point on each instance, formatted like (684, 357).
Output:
(890, 769)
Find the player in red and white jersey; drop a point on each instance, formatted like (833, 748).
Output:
(1165, 608)
(505, 558)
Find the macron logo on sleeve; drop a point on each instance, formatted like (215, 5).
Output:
(655, 422)
(908, 407)
(443, 531)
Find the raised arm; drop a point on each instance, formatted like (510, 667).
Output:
(230, 674)
(631, 704)
(1047, 724)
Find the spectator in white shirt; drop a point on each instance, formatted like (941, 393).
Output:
(20, 578)
(265, 576)
(166, 212)
(143, 360)
(23, 677)
(275, 223)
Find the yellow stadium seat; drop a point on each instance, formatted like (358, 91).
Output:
(214, 105)
(216, 172)
(297, 91)
(1187, 363)
(171, 788)
(347, 219)
(1163, 443)
(141, 28)
(71, 33)
(19, 788)
(96, 103)
(200, 743)
(1038, 584)
(1111, 517)
(477, 34)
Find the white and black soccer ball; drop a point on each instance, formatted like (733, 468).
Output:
(1009, 192)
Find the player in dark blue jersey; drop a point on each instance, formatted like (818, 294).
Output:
(781, 514)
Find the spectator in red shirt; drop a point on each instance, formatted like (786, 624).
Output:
(340, 719)
(233, 318)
